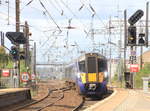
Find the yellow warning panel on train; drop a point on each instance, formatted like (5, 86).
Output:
(92, 77)
(83, 77)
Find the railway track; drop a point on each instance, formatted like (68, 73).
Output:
(51, 98)
(59, 98)
(89, 101)
(80, 105)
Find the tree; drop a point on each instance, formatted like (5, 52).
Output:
(2, 50)
(4, 57)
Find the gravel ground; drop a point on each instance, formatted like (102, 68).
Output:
(70, 101)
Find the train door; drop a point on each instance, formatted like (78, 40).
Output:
(91, 69)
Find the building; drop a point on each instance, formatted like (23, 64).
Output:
(145, 58)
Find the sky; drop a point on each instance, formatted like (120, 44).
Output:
(48, 20)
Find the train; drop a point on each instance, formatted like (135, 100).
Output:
(90, 74)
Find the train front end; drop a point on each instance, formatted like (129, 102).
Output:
(92, 76)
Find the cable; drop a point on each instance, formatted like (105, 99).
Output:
(62, 11)
(38, 28)
(40, 11)
(50, 15)
(27, 4)
(74, 15)
(93, 10)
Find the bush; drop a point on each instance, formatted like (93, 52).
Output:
(145, 72)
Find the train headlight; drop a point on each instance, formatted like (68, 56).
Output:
(78, 75)
(105, 74)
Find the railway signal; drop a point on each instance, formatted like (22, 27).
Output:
(15, 53)
(16, 37)
(131, 38)
(22, 55)
(131, 35)
(141, 40)
(135, 17)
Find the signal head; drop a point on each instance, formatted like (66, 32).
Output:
(135, 17)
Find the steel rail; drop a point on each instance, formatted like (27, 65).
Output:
(80, 105)
(38, 101)
(61, 97)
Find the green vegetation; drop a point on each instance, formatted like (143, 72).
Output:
(116, 81)
(6, 61)
(4, 58)
(145, 72)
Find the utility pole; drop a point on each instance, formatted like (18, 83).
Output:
(92, 32)
(26, 46)
(109, 41)
(125, 40)
(17, 63)
(2, 38)
(147, 27)
(141, 51)
(34, 67)
(119, 49)
(8, 11)
(17, 15)
(146, 34)
(141, 58)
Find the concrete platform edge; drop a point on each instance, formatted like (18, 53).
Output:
(9, 98)
(101, 102)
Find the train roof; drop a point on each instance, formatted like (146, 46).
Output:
(82, 57)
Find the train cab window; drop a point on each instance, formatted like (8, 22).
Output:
(91, 64)
(82, 66)
(102, 65)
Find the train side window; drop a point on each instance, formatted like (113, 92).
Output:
(82, 66)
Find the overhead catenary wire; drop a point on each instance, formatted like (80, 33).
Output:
(13, 24)
(27, 4)
(12, 8)
(44, 14)
(67, 37)
(70, 10)
(50, 15)
(93, 10)
(59, 10)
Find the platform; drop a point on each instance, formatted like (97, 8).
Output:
(124, 100)
(13, 95)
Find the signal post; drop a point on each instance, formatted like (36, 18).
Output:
(16, 38)
(132, 40)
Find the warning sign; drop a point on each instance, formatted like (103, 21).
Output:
(32, 76)
(5, 73)
(25, 77)
(134, 68)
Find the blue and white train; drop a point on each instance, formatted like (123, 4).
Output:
(89, 72)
